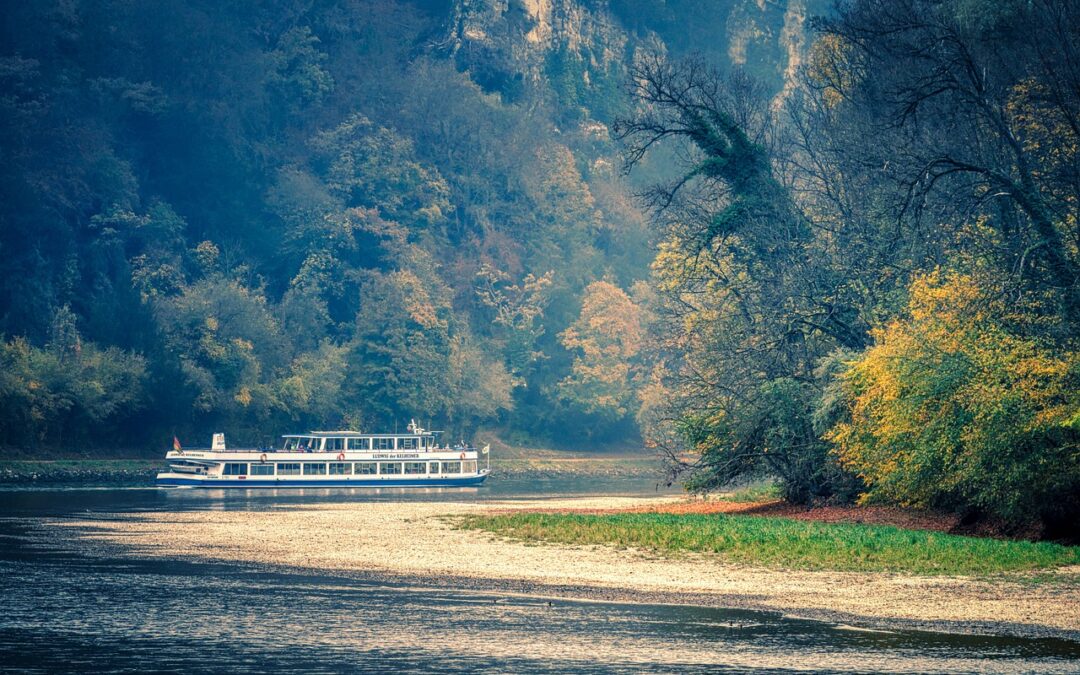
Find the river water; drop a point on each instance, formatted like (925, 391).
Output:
(72, 608)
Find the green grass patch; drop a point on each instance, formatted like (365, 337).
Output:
(784, 543)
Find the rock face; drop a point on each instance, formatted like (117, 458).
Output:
(506, 43)
(583, 46)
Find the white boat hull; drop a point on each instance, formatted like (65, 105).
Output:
(171, 479)
(255, 469)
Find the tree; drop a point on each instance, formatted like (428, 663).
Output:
(68, 392)
(399, 357)
(482, 384)
(228, 346)
(960, 404)
(983, 101)
(746, 312)
(516, 317)
(606, 341)
(297, 69)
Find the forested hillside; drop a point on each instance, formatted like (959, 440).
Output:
(290, 215)
(845, 254)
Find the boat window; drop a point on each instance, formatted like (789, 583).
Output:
(334, 444)
(365, 467)
(383, 443)
(359, 444)
(406, 444)
(288, 469)
(426, 442)
(340, 468)
(415, 467)
(292, 443)
(235, 469)
(469, 466)
(262, 469)
(434, 468)
(314, 469)
(308, 444)
(451, 467)
(389, 467)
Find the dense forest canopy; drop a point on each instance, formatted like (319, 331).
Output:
(293, 215)
(845, 254)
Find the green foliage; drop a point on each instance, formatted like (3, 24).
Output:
(400, 351)
(297, 215)
(372, 166)
(297, 70)
(227, 343)
(772, 437)
(958, 404)
(482, 384)
(69, 392)
(799, 229)
(312, 387)
(566, 72)
(783, 543)
(606, 340)
(516, 314)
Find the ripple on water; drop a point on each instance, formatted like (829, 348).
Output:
(73, 611)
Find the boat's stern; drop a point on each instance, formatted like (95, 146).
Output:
(172, 479)
(184, 470)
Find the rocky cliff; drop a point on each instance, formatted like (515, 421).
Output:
(583, 46)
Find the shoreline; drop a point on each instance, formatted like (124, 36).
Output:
(412, 543)
(632, 596)
(130, 472)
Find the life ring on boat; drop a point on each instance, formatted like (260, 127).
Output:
(262, 458)
(341, 456)
(463, 455)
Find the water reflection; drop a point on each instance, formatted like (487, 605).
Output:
(74, 500)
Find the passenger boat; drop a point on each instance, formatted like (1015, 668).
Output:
(331, 459)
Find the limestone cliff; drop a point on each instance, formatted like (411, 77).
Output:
(582, 46)
(506, 43)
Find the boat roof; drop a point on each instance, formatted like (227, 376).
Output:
(357, 434)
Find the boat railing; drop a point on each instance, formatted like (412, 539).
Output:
(256, 451)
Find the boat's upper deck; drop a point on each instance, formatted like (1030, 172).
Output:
(344, 441)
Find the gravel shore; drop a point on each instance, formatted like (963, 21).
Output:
(416, 543)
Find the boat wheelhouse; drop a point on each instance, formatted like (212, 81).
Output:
(332, 459)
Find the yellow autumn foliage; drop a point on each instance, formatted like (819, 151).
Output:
(606, 339)
(955, 403)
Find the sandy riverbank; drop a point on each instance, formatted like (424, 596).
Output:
(414, 543)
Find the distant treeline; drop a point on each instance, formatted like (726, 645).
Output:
(871, 288)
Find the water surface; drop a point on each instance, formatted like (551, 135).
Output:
(74, 609)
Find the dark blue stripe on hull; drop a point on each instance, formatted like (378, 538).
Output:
(472, 481)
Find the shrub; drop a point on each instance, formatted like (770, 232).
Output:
(958, 405)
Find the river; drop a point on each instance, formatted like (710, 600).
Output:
(76, 608)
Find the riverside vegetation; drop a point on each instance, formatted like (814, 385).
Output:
(850, 261)
(781, 543)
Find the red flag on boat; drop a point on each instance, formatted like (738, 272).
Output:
(176, 444)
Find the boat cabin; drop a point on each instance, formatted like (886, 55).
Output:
(345, 441)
